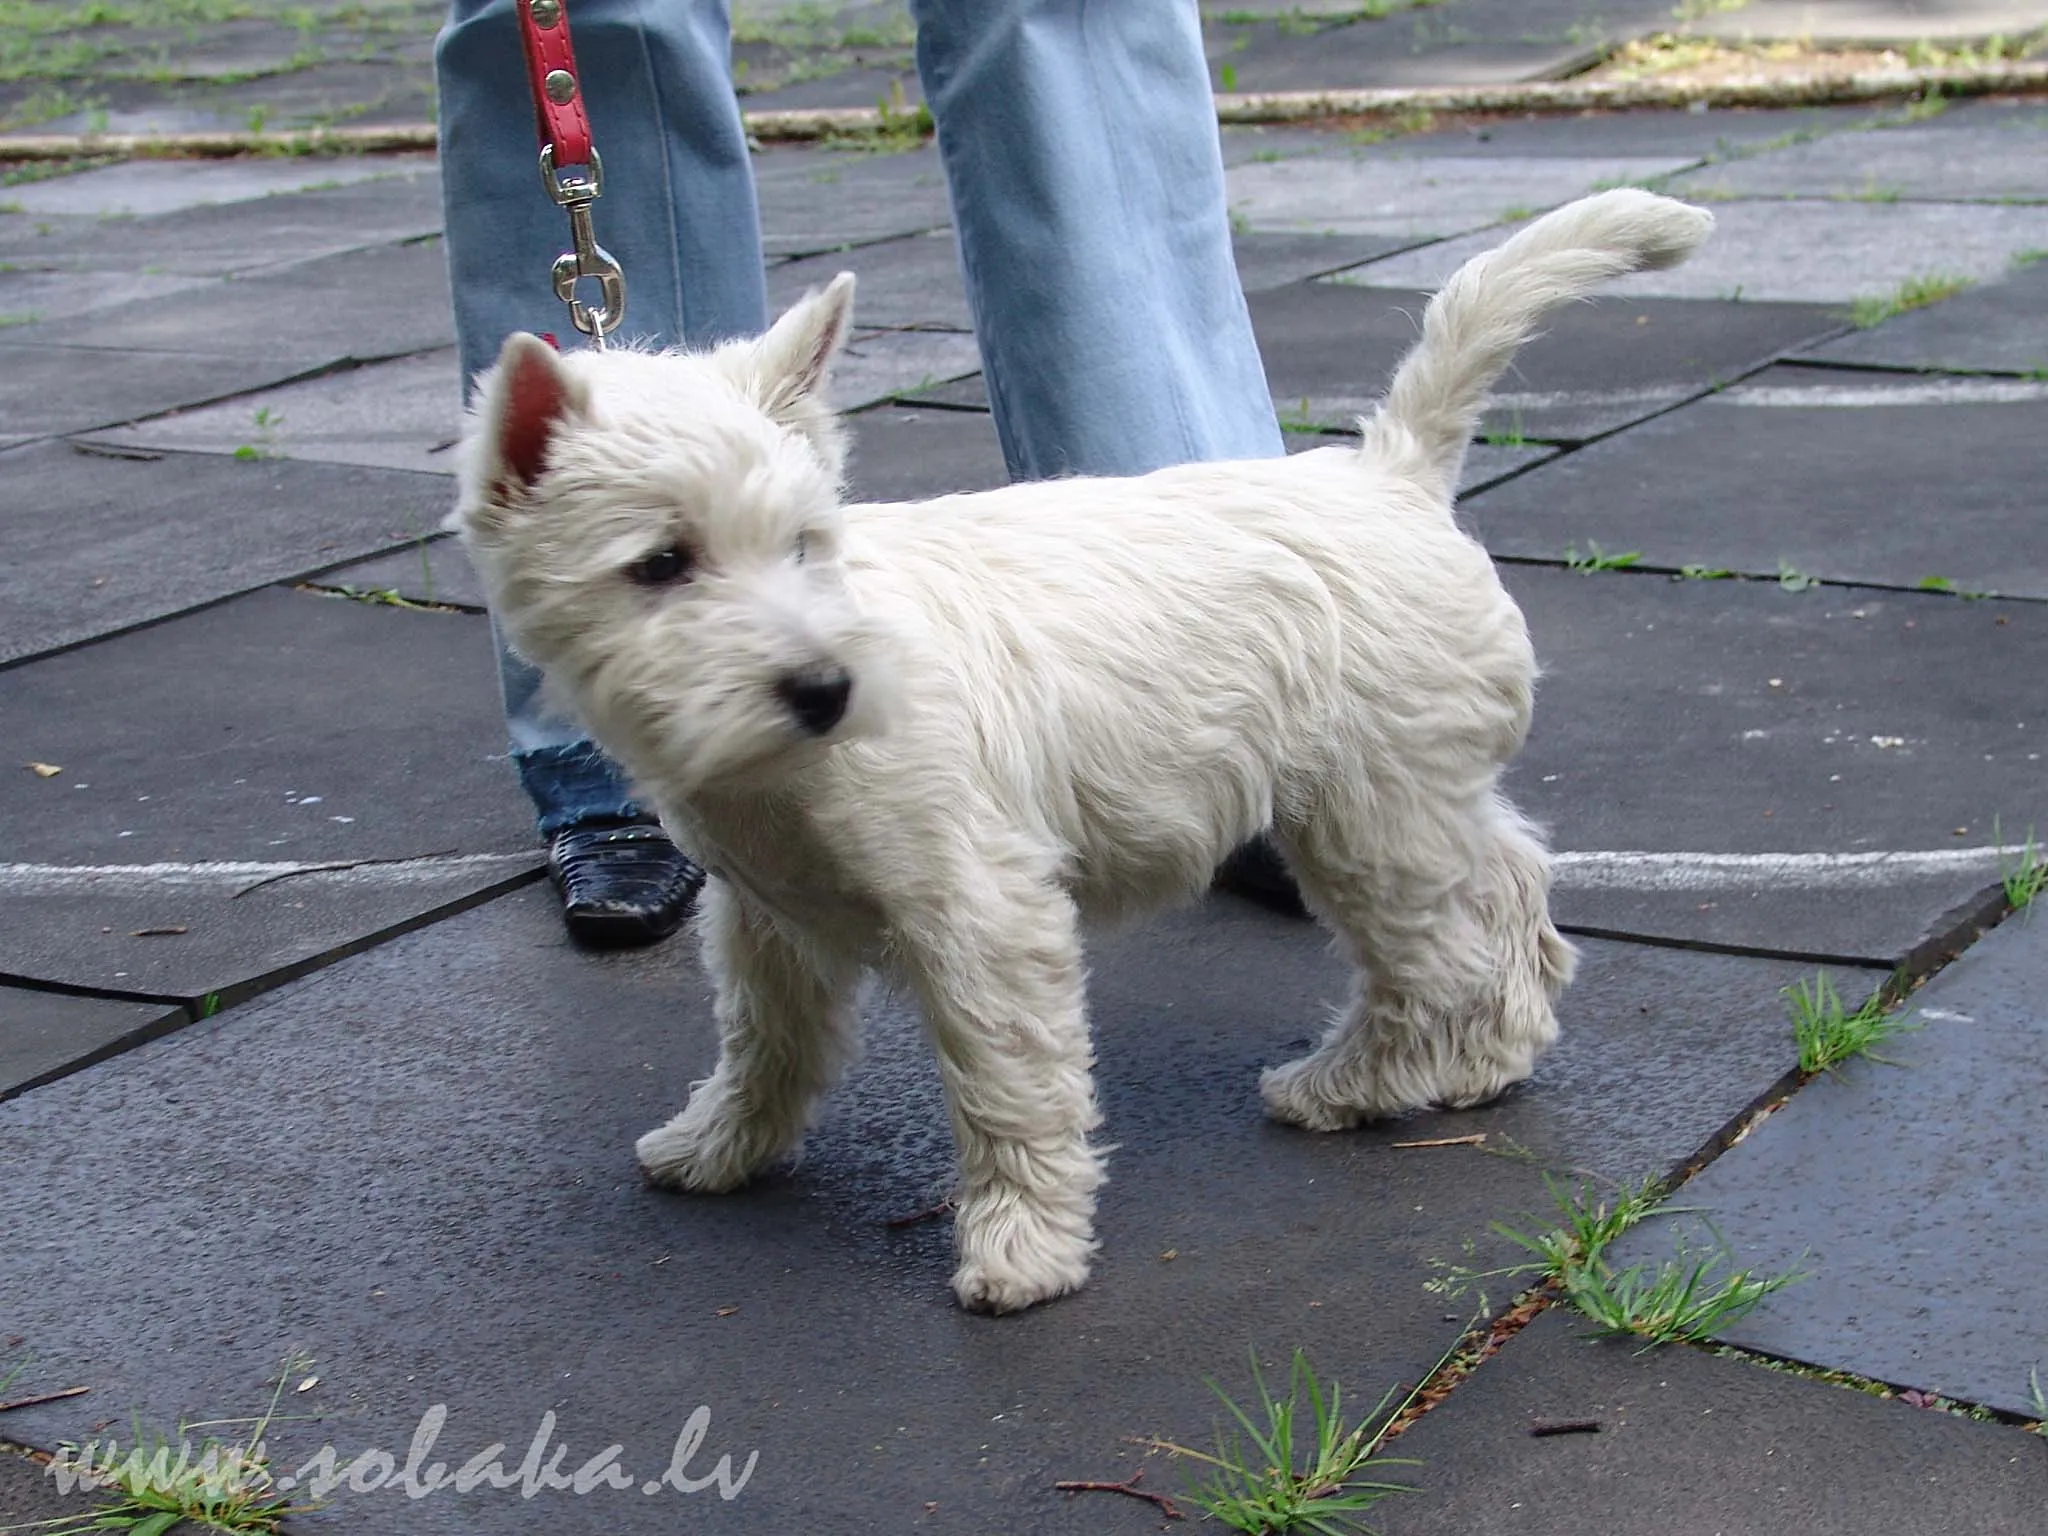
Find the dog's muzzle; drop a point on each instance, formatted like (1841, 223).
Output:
(817, 696)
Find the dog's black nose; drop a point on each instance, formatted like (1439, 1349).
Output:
(817, 697)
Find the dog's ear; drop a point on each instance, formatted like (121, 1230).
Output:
(790, 362)
(527, 398)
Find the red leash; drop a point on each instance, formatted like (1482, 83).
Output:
(569, 166)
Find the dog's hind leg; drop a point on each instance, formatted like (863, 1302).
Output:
(998, 970)
(787, 1026)
(1449, 920)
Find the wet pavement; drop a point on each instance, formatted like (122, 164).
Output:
(296, 1061)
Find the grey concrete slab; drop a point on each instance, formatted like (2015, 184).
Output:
(26, 297)
(434, 572)
(487, 1081)
(99, 543)
(1330, 348)
(1689, 135)
(1465, 42)
(2000, 326)
(1876, 22)
(1821, 772)
(403, 414)
(211, 753)
(361, 305)
(1906, 1190)
(913, 281)
(47, 390)
(43, 1035)
(1795, 252)
(815, 200)
(905, 454)
(1416, 197)
(1271, 259)
(402, 203)
(1689, 1441)
(142, 187)
(1848, 476)
(1946, 164)
(881, 365)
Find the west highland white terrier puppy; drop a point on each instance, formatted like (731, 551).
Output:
(935, 738)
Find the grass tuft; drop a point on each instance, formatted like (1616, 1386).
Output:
(1682, 1299)
(1597, 559)
(1913, 293)
(1261, 1480)
(225, 1486)
(1828, 1034)
(2026, 876)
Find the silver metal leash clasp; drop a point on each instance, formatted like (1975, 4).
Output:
(575, 191)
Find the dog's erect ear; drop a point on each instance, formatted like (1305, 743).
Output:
(791, 360)
(528, 397)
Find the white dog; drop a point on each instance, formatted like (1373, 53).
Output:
(934, 738)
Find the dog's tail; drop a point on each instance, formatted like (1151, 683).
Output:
(1490, 307)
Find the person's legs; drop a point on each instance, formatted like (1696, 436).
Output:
(1086, 173)
(678, 213)
(1081, 150)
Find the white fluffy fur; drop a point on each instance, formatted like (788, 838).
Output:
(1070, 700)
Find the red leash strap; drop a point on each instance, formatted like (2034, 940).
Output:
(551, 70)
(569, 166)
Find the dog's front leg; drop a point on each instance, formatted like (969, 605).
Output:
(999, 974)
(786, 1016)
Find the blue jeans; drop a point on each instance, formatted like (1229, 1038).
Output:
(1080, 148)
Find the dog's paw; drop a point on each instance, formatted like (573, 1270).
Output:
(1015, 1254)
(1306, 1093)
(704, 1154)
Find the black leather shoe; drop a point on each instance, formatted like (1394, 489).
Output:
(623, 883)
(1258, 874)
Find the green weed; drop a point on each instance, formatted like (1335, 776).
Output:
(1262, 1483)
(1829, 1034)
(1597, 559)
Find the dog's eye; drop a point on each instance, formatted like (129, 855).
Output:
(662, 568)
(803, 541)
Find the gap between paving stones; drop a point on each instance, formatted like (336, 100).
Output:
(1487, 1335)
(806, 125)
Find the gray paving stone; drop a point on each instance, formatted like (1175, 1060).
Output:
(279, 730)
(2000, 326)
(26, 297)
(98, 544)
(1908, 1193)
(43, 1035)
(913, 281)
(1271, 259)
(1677, 135)
(487, 1081)
(1466, 42)
(142, 187)
(47, 390)
(1876, 22)
(905, 454)
(434, 572)
(404, 414)
(1416, 197)
(1330, 348)
(815, 200)
(1794, 252)
(880, 365)
(1946, 164)
(402, 203)
(360, 306)
(1848, 476)
(1701, 747)
(1692, 1442)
